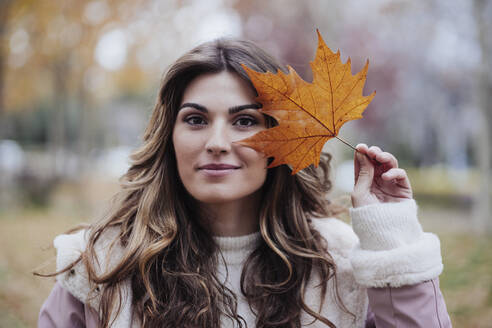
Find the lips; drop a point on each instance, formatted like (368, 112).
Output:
(218, 167)
(217, 170)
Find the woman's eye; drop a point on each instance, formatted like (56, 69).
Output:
(245, 121)
(195, 120)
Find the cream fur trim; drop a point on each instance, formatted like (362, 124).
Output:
(393, 249)
(76, 281)
(407, 265)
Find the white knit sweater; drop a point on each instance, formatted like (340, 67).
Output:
(388, 248)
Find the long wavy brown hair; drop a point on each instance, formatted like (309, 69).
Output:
(171, 258)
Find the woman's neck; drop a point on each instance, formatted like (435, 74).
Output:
(235, 218)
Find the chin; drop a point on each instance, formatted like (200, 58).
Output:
(217, 197)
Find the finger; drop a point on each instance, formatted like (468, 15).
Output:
(387, 158)
(362, 148)
(373, 151)
(397, 175)
(364, 173)
(394, 173)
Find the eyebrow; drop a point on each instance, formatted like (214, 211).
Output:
(232, 110)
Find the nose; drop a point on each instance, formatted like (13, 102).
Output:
(218, 142)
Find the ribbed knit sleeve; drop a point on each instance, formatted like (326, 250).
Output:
(393, 250)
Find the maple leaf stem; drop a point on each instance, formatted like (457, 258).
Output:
(345, 142)
(375, 161)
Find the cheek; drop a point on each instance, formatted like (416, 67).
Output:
(253, 159)
(185, 149)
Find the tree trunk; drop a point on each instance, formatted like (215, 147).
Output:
(86, 130)
(56, 128)
(4, 14)
(482, 216)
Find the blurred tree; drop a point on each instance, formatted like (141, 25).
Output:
(484, 76)
(269, 24)
(424, 86)
(5, 6)
(51, 58)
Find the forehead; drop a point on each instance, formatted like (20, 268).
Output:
(223, 88)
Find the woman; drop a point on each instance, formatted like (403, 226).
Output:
(202, 234)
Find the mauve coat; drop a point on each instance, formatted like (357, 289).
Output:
(420, 306)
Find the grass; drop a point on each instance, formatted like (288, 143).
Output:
(26, 235)
(467, 279)
(25, 245)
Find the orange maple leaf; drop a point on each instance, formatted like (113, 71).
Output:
(309, 114)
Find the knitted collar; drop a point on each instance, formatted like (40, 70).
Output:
(236, 249)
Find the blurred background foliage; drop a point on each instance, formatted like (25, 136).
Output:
(78, 80)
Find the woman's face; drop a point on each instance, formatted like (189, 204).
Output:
(216, 110)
